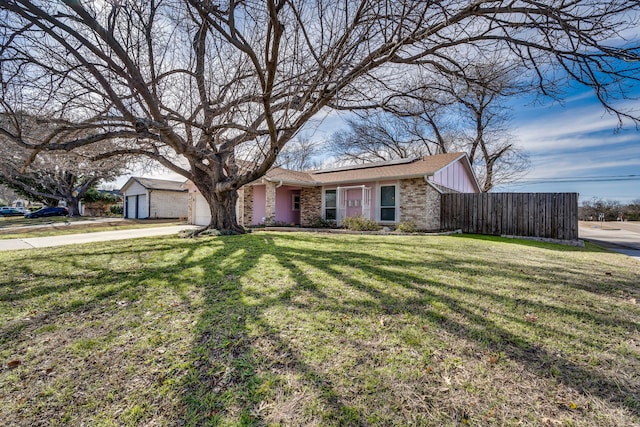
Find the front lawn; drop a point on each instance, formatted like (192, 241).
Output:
(314, 329)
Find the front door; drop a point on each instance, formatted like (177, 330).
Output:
(354, 202)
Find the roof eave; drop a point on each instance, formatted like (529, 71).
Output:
(261, 181)
(386, 178)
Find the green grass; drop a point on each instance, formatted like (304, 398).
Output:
(314, 329)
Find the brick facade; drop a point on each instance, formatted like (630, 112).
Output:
(420, 204)
(270, 201)
(247, 205)
(432, 212)
(310, 205)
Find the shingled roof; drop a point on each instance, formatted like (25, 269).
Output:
(395, 169)
(156, 184)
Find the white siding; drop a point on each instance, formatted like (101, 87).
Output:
(135, 188)
(455, 176)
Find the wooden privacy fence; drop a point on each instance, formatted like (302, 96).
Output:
(546, 215)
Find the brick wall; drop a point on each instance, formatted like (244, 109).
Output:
(419, 203)
(310, 205)
(434, 199)
(270, 201)
(247, 203)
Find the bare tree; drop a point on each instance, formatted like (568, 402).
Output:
(387, 136)
(53, 176)
(487, 139)
(213, 83)
(299, 154)
(439, 116)
(7, 195)
(492, 151)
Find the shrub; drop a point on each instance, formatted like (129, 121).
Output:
(358, 223)
(407, 227)
(319, 222)
(94, 195)
(274, 223)
(116, 210)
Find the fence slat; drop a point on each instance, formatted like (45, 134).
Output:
(550, 215)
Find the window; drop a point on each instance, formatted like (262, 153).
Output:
(388, 203)
(295, 202)
(330, 205)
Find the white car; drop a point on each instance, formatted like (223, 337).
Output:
(12, 208)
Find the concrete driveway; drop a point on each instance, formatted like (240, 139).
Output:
(623, 237)
(99, 236)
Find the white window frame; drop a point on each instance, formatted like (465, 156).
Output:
(379, 207)
(324, 203)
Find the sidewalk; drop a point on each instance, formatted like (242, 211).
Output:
(99, 236)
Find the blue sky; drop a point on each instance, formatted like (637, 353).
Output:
(576, 146)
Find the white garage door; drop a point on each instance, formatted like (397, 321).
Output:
(131, 207)
(202, 213)
(143, 206)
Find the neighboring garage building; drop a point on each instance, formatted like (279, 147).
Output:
(154, 198)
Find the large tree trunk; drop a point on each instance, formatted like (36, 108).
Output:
(222, 206)
(73, 206)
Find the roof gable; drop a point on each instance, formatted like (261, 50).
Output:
(393, 169)
(405, 168)
(155, 184)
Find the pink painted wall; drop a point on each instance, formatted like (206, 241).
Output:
(284, 205)
(455, 177)
(259, 204)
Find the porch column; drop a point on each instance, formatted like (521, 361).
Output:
(270, 202)
(247, 204)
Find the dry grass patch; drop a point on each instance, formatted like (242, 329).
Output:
(19, 228)
(305, 329)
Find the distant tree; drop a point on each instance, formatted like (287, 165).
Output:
(7, 195)
(632, 211)
(222, 85)
(299, 155)
(386, 136)
(591, 209)
(449, 114)
(94, 195)
(53, 176)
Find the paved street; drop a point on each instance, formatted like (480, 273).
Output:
(623, 237)
(99, 236)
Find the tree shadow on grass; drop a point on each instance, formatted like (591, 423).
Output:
(232, 378)
(247, 366)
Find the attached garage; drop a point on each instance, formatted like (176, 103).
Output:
(201, 212)
(146, 198)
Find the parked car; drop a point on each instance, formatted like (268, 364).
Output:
(9, 211)
(47, 212)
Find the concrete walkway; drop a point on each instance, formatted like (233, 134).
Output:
(622, 237)
(98, 236)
